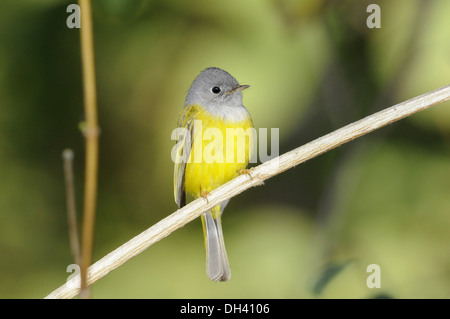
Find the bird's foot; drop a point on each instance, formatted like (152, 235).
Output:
(205, 194)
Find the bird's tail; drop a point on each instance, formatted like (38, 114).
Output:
(217, 266)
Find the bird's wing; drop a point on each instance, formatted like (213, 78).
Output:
(183, 150)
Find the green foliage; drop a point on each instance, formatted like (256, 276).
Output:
(326, 274)
(313, 66)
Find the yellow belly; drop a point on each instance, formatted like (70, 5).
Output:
(220, 150)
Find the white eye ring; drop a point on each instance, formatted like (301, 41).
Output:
(216, 90)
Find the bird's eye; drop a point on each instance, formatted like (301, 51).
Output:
(215, 90)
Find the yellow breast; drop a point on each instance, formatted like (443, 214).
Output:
(220, 149)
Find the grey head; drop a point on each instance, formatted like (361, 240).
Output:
(215, 90)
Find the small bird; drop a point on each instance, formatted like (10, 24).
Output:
(213, 104)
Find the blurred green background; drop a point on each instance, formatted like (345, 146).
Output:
(313, 66)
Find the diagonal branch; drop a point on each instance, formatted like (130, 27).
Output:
(243, 182)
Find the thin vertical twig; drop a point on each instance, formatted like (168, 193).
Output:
(91, 133)
(67, 156)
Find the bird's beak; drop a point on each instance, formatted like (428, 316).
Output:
(237, 89)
